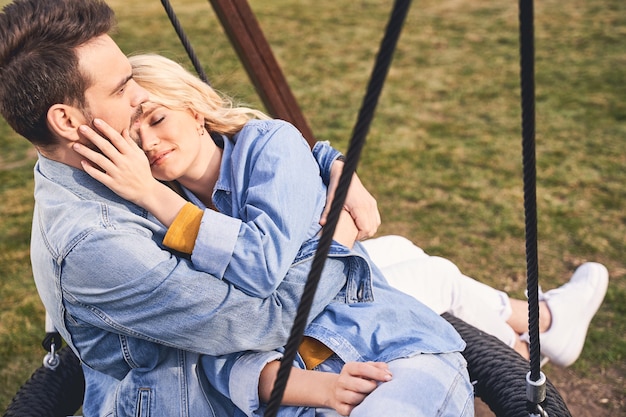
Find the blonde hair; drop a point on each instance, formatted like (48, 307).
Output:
(172, 86)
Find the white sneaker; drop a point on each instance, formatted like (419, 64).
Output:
(572, 307)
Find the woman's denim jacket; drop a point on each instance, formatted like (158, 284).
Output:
(139, 317)
(269, 183)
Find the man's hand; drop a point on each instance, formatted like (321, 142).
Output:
(359, 203)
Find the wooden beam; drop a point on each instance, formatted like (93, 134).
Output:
(255, 53)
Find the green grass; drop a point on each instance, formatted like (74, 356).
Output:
(443, 155)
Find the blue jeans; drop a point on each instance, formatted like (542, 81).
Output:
(427, 385)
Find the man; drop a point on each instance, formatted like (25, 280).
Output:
(126, 306)
(138, 317)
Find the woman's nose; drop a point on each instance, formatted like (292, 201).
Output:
(148, 141)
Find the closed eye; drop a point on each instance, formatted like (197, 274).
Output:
(157, 121)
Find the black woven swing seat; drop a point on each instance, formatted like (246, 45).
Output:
(498, 371)
(499, 374)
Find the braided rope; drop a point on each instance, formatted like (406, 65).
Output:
(530, 199)
(366, 114)
(184, 40)
(536, 396)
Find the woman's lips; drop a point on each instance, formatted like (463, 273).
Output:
(158, 158)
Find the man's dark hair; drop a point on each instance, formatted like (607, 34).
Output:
(38, 62)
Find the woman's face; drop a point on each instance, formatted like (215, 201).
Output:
(172, 141)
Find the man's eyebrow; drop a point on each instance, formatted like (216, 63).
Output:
(122, 83)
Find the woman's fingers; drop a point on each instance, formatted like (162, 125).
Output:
(124, 167)
(356, 381)
(106, 145)
(93, 158)
(374, 371)
(121, 143)
(363, 377)
(109, 140)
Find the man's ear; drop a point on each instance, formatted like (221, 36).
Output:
(64, 121)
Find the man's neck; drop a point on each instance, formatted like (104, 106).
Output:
(62, 154)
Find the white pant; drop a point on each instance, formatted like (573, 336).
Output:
(439, 284)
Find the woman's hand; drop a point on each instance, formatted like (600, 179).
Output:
(122, 165)
(342, 391)
(355, 382)
(124, 168)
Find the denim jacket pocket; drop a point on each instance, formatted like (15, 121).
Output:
(224, 407)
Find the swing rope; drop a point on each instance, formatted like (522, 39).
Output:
(184, 40)
(364, 119)
(535, 378)
(528, 153)
(535, 388)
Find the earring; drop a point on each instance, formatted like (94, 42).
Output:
(201, 130)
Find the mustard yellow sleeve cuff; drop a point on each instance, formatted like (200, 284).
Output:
(313, 352)
(183, 232)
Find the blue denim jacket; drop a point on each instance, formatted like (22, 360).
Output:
(274, 211)
(138, 317)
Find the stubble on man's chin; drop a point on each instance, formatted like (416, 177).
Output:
(133, 119)
(136, 116)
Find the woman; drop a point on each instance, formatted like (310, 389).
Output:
(482, 306)
(435, 281)
(270, 235)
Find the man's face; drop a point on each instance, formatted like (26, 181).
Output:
(113, 96)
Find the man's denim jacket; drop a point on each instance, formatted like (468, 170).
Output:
(139, 317)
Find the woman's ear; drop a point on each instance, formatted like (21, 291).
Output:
(198, 117)
(64, 121)
(201, 123)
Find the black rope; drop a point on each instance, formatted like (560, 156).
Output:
(184, 40)
(364, 119)
(528, 151)
(535, 390)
